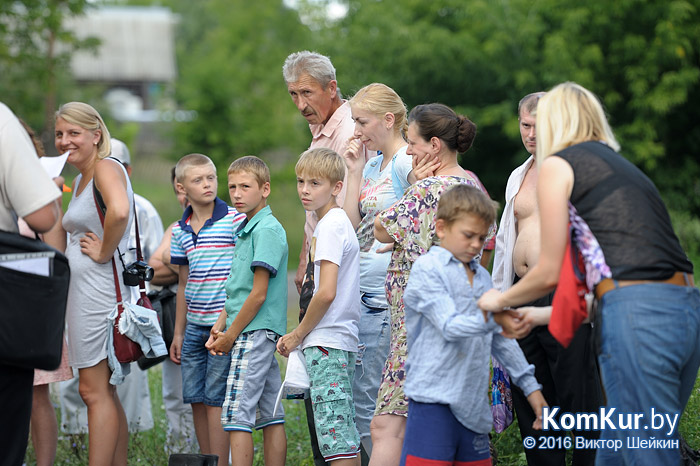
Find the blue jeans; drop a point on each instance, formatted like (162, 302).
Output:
(649, 358)
(203, 375)
(372, 352)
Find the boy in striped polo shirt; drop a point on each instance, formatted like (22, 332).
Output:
(202, 245)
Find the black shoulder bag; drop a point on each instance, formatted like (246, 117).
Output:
(32, 302)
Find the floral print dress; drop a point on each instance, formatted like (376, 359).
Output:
(411, 223)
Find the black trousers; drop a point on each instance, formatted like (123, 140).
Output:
(318, 457)
(570, 379)
(16, 385)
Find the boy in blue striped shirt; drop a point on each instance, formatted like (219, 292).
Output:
(202, 245)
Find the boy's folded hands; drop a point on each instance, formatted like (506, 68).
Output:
(218, 343)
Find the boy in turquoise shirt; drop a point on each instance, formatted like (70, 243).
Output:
(255, 316)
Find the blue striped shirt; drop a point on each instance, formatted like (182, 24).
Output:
(209, 254)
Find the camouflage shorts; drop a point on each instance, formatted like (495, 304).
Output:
(331, 373)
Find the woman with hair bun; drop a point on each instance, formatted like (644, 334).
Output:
(381, 120)
(91, 247)
(436, 135)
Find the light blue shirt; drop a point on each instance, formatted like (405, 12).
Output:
(262, 242)
(140, 325)
(378, 193)
(449, 344)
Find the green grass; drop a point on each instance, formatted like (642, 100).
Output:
(690, 421)
(147, 447)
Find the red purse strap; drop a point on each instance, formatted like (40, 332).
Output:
(120, 306)
(101, 209)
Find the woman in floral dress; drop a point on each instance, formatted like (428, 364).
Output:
(436, 135)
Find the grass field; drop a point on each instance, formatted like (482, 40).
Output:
(146, 448)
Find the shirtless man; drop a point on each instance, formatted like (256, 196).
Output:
(569, 377)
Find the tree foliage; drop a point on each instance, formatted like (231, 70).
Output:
(641, 58)
(230, 56)
(35, 49)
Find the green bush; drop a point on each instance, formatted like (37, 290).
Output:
(687, 227)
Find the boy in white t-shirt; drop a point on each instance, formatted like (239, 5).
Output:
(328, 333)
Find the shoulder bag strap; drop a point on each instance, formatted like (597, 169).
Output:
(101, 208)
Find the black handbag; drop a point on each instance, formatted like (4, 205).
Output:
(165, 303)
(32, 306)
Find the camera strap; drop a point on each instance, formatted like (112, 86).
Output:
(139, 255)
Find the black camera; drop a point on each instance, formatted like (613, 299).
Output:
(137, 271)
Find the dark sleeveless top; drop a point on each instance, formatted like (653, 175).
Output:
(625, 212)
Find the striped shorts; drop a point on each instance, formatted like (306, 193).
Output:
(253, 383)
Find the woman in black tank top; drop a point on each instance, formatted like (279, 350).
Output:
(648, 317)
